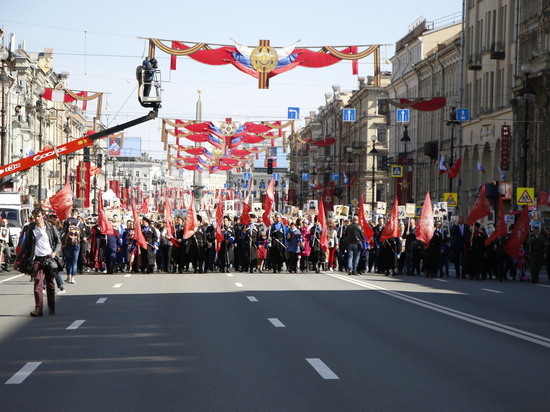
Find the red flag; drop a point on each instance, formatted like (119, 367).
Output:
(321, 218)
(169, 222)
(191, 222)
(328, 197)
(138, 234)
(455, 168)
(367, 229)
(219, 221)
(145, 205)
(426, 228)
(501, 228)
(245, 216)
(519, 234)
(480, 209)
(104, 225)
(392, 228)
(62, 202)
(268, 203)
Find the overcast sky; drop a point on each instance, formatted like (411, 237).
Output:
(98, 44)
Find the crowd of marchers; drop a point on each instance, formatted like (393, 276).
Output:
(288, 244)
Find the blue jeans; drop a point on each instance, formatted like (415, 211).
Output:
(71, 259)
(354, 253)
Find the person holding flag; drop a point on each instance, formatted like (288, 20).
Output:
(277, 244)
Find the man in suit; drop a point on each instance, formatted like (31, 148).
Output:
(460, 236)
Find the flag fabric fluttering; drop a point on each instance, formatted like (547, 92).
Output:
(245, 216)
(219, 222)
(502, 175)
(443, 165)
(426, 228)
(480, 167)
(138, 234)
(62, 202)
(145, 205)
(500, 229)
(105, 226)
(455, 168)
(367, 229)
(268, 203)
(392, 228)
(191, 221)
(519, 234)
(480, 209)
(322, 219)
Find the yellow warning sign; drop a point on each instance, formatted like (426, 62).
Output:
(451, 199)
(525, 195)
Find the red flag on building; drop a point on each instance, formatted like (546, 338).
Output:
(519, 234)
(455, 168)
(138, 234)
(104, 225)
(392, 228)
(83, 183)
(367, 228)
(268, 203)
(145, 205)
(501, 229)
(426, 228)
(62, 202)
(328, 197)
(480, 209)
(191, 222)
(245, 216)
(219, 221)
(322, 219)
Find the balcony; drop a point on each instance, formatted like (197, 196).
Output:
(474, 62)
(497, 51)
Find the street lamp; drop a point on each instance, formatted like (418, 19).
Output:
(374, 153)
(404, 184)
(67, 130)
(349, 151)
(40, 112)
(452, 122)
(527, 93)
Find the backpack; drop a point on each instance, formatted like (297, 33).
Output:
(72, 238)
(139, 73)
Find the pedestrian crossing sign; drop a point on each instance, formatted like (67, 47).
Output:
(451, 199)
(525, 195)
(396, 171)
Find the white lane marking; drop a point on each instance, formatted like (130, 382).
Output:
(23, 373)
(486, 323)
(13, 277)
(117, 285)
(441, 280)
(239, 285)
(101, 300)
(276, 322)
(229, 275)
(75, 325)
(544, 286)
(321, 368)
(252, 298)
(491, 290)
(127, 275)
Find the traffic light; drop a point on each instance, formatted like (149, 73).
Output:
(100, 160)
(269, 166)
(383, 163)
(86, 155)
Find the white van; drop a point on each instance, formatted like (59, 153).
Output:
(16, 208)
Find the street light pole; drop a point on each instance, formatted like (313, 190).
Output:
(525, 141)
(40, 117)
(373, 152)
(404, 184)
(452, 122)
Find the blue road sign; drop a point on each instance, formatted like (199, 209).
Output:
(247, 176)
(305, 177)
(463, 115)
(226, 185)
(293, 113)
(348, 115)
(402, 115)
(335, 177)
(276, 176)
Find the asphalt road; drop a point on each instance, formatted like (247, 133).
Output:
(285, 342)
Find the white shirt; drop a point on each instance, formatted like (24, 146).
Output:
(42, 246)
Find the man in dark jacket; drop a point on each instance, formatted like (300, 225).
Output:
(42, 241)
(354, 240)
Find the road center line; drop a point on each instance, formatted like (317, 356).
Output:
(239, 285)
(252, 298)
(75, 325)
(101, 300)
(486, 323)
(23, 373)
(127, 275)
(229, 275)
(117, 285)
(544, 286)
(441, 280)
(13, 277)
(276, 322)
(321, 368)
(491, 290)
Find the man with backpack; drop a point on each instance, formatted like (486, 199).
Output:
(70, 237)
